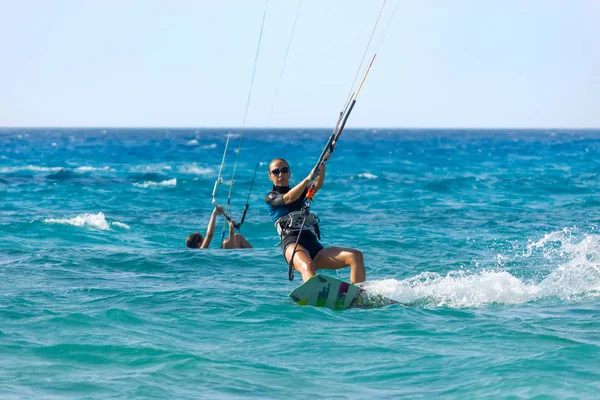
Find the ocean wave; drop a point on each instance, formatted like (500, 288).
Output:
(148, 184)
(367, 175)
(149, 169)
(194, 169)
(97, 221)
(210, 146)
(61, 175)
(149, 176)
(192, 142)
(85, 168)
(32, 168)
(120, 225)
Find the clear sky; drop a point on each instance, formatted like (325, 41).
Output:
(188, 63)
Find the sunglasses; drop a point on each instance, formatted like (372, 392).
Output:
(283, 170)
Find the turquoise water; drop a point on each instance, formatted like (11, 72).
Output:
(492, 235)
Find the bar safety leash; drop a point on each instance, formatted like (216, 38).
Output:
(287, 51)
(262, 26)
(239, 224)
(220, 177)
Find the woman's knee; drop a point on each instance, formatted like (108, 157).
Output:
(307, 265)
(310, 267)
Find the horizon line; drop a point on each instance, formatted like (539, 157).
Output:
(303, 128)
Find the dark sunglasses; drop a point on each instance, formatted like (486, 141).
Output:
(283, 170)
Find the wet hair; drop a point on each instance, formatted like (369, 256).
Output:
(194, 241)
(278, 159)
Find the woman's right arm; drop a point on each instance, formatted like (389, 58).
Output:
(210, 231)
(296, 191)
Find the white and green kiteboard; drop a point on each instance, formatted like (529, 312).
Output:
(325, 291)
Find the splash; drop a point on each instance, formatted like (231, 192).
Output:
(97, 221)
(579, 272)
(456, 289)
(150, 184)
(574, 274)
(553, 237)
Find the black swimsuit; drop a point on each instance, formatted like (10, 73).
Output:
(278, 209)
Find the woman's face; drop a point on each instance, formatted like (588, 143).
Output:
(278, 174)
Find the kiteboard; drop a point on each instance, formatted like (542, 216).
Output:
(325, 291)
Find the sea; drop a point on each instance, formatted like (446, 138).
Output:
(492, 238)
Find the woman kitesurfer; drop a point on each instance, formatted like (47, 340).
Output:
(285, 205)
(234, 241)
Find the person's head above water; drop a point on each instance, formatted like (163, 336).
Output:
(194, 241)
(279, 172)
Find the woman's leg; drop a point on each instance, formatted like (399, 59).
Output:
(341, 257)
(302, 261)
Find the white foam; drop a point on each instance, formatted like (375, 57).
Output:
(367, 175)
(157, 168)
(210, 146)
(148, 184)
(84, 169)
(192, 142)
(194, 169)
(33, 168)
(120, 225)
(97, 221)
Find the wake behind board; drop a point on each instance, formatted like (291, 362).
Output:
(325, 291)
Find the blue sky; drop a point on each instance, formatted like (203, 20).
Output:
(442, 64)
